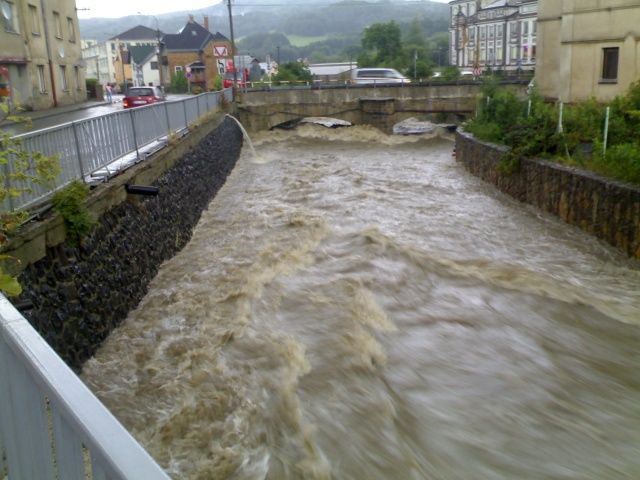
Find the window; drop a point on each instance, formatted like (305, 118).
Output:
(71, 29)
(513, 54)
(35, 20)
(178, 68)
(42, 84)
(57, 24)
(63, 77)
(499, 31)
(491, 31)
(9, 16)
(525, 29)
(533, 53)
(76, 74)
(483, 32)
(154, 65)
(113, 47)
(513, 29)
(610, 64)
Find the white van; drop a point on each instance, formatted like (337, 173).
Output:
(377, 76)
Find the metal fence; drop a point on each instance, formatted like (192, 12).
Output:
(86, 146)
(51, 425)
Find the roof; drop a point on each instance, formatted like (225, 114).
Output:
(331, 68)
(140, 54)
(137, 33)
(192, 37)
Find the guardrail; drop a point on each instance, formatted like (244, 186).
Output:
(85, 146)
(51, 425)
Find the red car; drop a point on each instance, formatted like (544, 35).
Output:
(139, 96)
(228, 80)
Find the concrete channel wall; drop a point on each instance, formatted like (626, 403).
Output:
(75, 296)
(608, 209)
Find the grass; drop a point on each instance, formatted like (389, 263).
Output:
(300, 41)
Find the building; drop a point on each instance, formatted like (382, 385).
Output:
(40, 60)
(144, 65)
(96, 60)
(493, 35)
(331, 72)
(202, 55)
(118, 51)
(588, 49)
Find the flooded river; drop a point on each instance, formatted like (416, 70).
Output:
(357, 306)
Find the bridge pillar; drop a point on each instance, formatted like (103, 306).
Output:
(378, 112)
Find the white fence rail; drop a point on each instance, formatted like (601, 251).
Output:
(51, 425)
(85, 146)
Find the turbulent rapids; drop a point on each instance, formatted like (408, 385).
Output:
(356, 306)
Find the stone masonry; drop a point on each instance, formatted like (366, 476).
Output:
(75, 297)
(608, 209)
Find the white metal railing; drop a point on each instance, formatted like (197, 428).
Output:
(51, 425)
(85, 146)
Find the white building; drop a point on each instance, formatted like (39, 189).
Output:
(96, 60)
(493, 34)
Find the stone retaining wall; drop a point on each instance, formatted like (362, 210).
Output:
(76, 296)
(605, 208)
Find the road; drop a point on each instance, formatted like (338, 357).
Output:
(70, 116)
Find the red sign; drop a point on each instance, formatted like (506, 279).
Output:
(220, 51)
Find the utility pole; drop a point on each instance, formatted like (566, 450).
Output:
(233, 50)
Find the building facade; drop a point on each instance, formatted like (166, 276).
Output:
(96, 60)
(40, 59)
(111, 60)
(588, 48)
(197, 52)
(497, 35)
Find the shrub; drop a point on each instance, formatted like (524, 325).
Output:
(450, 72)
(217, 83)
(70, 204)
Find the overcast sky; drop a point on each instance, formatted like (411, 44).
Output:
(123, 8)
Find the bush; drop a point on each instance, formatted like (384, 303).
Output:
(450, 73)
(178, 83)
(70, 204)
(503, 118)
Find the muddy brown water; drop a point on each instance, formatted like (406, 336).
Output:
(357, 306)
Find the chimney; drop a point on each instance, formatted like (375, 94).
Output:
(190, 18)
(206, 22)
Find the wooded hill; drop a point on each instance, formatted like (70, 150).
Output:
(268, 24)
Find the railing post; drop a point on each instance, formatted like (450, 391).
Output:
(198, 105)
(166, 114)
(77, 140)
(135, 137)
(184, 108)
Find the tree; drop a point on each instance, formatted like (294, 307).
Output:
(293, 72)
(384, 39)
(415, 35)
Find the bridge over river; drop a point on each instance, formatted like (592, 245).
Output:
(381, 106)
(356, 306)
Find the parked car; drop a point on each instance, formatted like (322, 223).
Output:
(139, 96)
(228, 80)
(377, 76)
